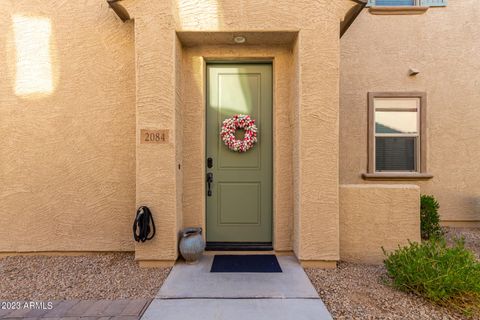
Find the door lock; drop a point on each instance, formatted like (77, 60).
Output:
(209, 163)
(209, 183)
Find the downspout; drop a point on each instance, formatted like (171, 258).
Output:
(351, 15)
(119, 10)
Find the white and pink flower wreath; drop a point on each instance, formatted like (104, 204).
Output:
(239, 121)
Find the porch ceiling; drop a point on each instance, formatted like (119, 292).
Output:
(192, 38)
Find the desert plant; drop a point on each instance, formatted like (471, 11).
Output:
(449, 276)
(429, 218)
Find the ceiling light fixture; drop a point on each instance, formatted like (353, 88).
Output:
(239, 39)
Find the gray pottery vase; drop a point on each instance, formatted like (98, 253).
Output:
(192, 245)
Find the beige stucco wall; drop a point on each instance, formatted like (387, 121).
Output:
(315, 119)
(77, 182)
(375, 216)
(67, 159)
(443, 43)
(158, 102)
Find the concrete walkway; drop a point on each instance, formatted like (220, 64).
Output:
(191, 291)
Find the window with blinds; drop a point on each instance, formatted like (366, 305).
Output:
(393, 3)
(397, 134)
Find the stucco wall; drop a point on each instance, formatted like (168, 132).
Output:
(376, 216)
(157, 104)
(74, 166)
(443, 43)
(67, 127)
(315, 200)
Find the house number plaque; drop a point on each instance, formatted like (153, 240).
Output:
(148, 136)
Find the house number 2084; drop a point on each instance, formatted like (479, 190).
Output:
(150, 137)
(153, 136)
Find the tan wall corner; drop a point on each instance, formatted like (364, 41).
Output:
(316, 181)
(318, 264)
(376, 216)
(156, 263)
(158, 107)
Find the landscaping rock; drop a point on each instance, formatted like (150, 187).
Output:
(356, 291)
(99, 276)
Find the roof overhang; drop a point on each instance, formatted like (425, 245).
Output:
(352, 9)
(356, 6)
(121, 12)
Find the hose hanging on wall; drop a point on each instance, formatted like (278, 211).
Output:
(142, 225)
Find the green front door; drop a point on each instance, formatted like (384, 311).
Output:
(239, 207)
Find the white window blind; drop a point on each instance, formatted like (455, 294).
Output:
(397, 134)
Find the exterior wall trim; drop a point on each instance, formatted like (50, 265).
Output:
(413, 10)
(396, 176)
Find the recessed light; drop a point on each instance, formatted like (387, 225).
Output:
(239, 39)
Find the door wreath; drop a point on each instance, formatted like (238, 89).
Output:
(239, 121)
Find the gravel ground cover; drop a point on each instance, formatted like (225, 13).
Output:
(99, 276)
(471, 236)
(357, 291)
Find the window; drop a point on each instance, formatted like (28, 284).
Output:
(397, 135)
(394, 3)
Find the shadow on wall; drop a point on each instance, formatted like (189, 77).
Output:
(34, 73)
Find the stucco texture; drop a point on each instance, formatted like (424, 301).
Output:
(443, 44)
(67, 127)
(375, 216)
(74, 167)
(315, 160)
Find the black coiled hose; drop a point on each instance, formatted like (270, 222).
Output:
(141, 225)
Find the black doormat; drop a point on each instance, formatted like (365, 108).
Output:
(245, 263)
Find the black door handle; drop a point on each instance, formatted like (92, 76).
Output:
(209, 183)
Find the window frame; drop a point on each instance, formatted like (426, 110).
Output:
(421, 160)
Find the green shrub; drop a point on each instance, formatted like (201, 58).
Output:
(429, 218)
(448, 276)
